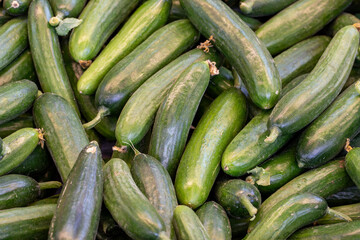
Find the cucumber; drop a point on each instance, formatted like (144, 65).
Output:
(2, 149)
(253, 23)
(50, 200)
(215, 221)
(155, 183)
(341, 21)
(4, 16)
(187, 224)
(148, 18)
(239, 227)
(240, 46)
(239, 198)
(203, 107)
(64, 134)
(289, 215)
(128, 205)
(348, 195)
(354, 76)
(312, 96)
(220, 83)
(13, 40)
(351, 210)
(176, 11)
(99, 20)
(325, 137)
(200, 162)
(287, 27)
(77, 215)
(46, 52)
(261, 8)
(23, 121)
(31, 223)
(352, 165)
(16, 7)
(293, 83)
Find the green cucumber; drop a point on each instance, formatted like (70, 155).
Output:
(46, 52)
(187, 224)
(64, 134)
(240, 46)
(23, 121)
(128, 205)
(50, 200)
(341, 21)
(220, 83)
(352, 165)
(200, 162)
(312, 96)
(293, 83)
(31, 223)
(77, 213)
(354, 76)
(99, 20)
(215, 221)
(16, 7)
(348, 195)
(239, 227)
(148, 18)
(2, 148)
(287, 27)
(13, 40)
(239, 198)
(203, 107)
(176, 11)
(351, 210)
(289, 215)
(261, 8)
(155, 183)
(253, 23)
(4, 16)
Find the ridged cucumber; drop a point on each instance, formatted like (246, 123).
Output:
(261, 8)
(16, 7)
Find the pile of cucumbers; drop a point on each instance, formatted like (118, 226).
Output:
(179, 119)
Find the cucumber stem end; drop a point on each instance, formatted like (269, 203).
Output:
(274, 134)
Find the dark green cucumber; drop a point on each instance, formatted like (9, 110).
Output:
(300, 58)
(64, 134)
(240, 46)
(23, 121)
(287, 27)
(293, 83)
(31, 223)
(187, 224)
(352, 165)
(215, 221)
(323, 181)
(261, 8)
(176, 11)
(77, 213)
(13, 40)
(16, 7)
(4, 16)
(203, 107)
(99, 20)
(341, 21)
(239, 227)
(351, 210)
(155, 183)
(220, 83)
(312, 96)
(155, 52)
(248, 148)
(348, 195)
(128, 205)
(354, 76)
(200, 162)
(148, 18)
(289, 215)
(253, 23)
(239, 198)
(16, 98)
(325, 137)
(18, 146)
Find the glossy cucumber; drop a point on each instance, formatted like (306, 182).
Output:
(348, 195)
(23, 121)
(200, 162)
(16, 7)
(31, 223)
(176, 11)
(312, 96)
(351, 210)
(260, 8)
(215, 221)
(341, 21)
(289, 215)
(203, 107)
(13, 40)
(155, 183)
(64, 134)
(148, 18)
(240, 46)
(4, 16)
(293, 83)
(287, 27)
(253, 23)
(99, 20)
(352, 165)
(221, 82)
(46, 52)
(187, 224)
(128, 205)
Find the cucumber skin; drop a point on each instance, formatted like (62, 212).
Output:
(261, 8)
(240, 46)
(20, 10)
(64, 133)
(154, 53)
(16, 98)
(278, 36)
(294, 83)
(13, 40)
(253, 23)
(289, 215)
(312, 96)
(200, 162)
(4, 16)
(348, 195)
(341, 21)
(30, 223)
(128, 205)
(46, 52)
(220, 83)
(23, 121)
(67, 8)
(352, 210)
(100, 20)
(17, 191)
(352, 165)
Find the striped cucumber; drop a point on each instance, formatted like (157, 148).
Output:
(261, 8)
(23, 121)
(16, 7)
(352, 164)
(351, 210)
(293, 83)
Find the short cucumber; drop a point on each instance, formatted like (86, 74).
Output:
(347, 195)
(23, 121)
(16, 7)
(351, 210)
(4, 16)
(221, 82)
(261, 8)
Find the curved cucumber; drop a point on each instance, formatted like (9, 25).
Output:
(149, 17)
(347, 195)
(351, 210)
(341, 21)
(200, 163)
(240, 46)
(16, 7)
(261, 8)
(4, 16)
(23, 121)
(352, 165)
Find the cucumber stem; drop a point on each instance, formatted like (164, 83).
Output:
(85, 63)
(244, 200)
(41, 137)
(15, 4)
(122, 149)
(246, 8)
(357, 26)
(212, 67)
(50, 185)
(274, 134)
(347, 147)
(103, 112)
(336, 215)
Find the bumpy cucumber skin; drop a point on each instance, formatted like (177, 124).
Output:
(351, 210)
(240, 46)
(200, 163)
(64, 134)
(4, 16)
(13, 40)
(100, 19)
(352, 164)
(287, 27)
(289, 215)
(261, 8)
(155, 52)
(23, 121)
(67, 8)
(20, 9)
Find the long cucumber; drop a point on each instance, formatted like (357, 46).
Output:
(23, 121)
(261, 8)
